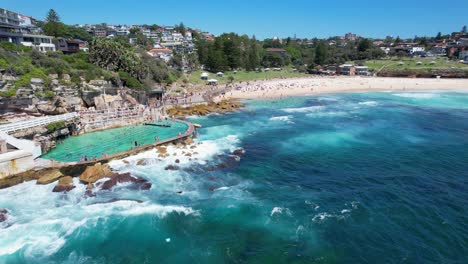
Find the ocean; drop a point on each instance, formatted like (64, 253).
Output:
(336, 178)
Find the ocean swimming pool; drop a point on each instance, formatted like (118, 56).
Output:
(111, 141)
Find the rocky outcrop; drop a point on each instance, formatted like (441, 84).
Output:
(22, 177)
(3, 215)
(114, 179)
(49, 177)
(94, 173)
(205, 109)
(172, 167)
(65, 184)
(238, 152)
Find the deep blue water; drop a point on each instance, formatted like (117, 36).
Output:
(347, 178)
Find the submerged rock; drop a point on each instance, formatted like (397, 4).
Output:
(238, 152)
(3, 215)
(49, 177)
(94, 173)
(65, 184)
(172, 167)
(141, 162)
(139, 183)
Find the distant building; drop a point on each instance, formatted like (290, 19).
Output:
(39, 42)
(12, 31)
(67, 46)
(162, 53)
(350, 37)
(280, 52)
(362, 70)
(346, 69)
(100, 32)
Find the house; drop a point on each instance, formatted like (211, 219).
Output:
(67, 46)
(12, 31)
(39, 42)
(162, 53)
(100, 32)
(280, 52)
(362, 71)
(346, 69)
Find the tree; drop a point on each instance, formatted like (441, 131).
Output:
(321, 53)
(52, 16)
(397, 40)
(463, 29)
(253, 59)
(112, 55)
(53, 26)
(273, 60)
(77, 33)
(364, 45)
(181, 29)
(439, 36)
(56, 29)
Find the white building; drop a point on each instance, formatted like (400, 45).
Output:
(25, 21)
(39, 42)
(416, 49)
(163, 53)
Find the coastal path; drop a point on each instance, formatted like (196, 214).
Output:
(35, 122)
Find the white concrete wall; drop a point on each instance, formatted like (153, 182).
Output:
(15, 162)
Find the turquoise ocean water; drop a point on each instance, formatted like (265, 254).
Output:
(346, 178)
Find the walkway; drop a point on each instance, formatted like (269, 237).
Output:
(36, 122)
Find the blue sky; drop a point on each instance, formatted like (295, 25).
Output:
(306, 18)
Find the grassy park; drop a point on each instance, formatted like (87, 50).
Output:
(414, 63)
(242, 76)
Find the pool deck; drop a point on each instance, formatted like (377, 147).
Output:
(47, 163)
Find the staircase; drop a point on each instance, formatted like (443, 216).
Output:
(22, 144)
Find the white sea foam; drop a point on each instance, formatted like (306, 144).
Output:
(326, 114)
(418, 95)
(280, 210)
(40, 221)
(369, 103)
(321, 217)
(221, 188)
(304, 109)
(281, 118)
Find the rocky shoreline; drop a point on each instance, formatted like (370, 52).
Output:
(224, 106)
(91, 172)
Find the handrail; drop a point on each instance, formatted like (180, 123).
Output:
(35, 122)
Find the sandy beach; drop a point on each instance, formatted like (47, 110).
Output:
(319, 85)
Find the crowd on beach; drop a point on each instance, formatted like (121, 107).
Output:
(279, 88)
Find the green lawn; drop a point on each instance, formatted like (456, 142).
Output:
(242, 76)
(412, 63)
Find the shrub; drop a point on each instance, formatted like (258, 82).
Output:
(25, 80)
(129, 81)
(54, 126)
(49, 94)
(12, 47)
(9, 93)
